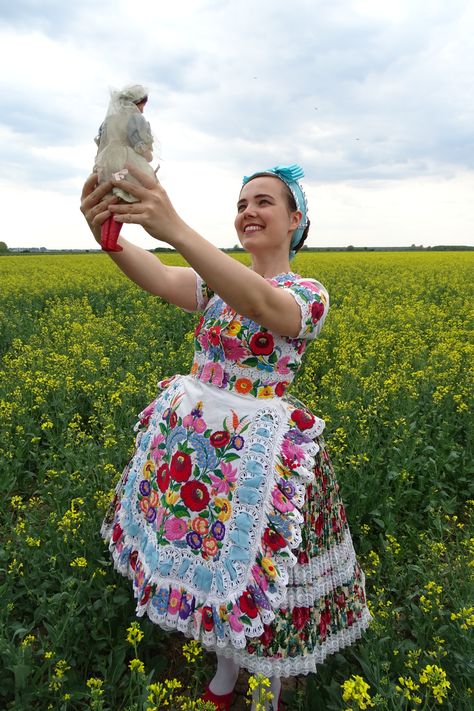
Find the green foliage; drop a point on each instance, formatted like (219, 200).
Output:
(82, 349)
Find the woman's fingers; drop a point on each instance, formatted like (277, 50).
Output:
(92, 193)
(144, 178)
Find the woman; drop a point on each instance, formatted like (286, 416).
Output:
(228, 517)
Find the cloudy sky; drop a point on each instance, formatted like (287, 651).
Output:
(374, 99)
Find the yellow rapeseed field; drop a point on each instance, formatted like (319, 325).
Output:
(82, 349)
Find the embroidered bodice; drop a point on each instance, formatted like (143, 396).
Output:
(235, 353)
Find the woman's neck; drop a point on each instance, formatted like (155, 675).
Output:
(271, 267)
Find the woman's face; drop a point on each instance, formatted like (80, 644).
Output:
(264, 219)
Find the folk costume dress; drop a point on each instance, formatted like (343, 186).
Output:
(228, 518)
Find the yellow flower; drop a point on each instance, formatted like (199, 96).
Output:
(171, 497)
(356, 689)
(266, 391)
(192, 651)
(79, 562)
(269, 567)
(135, 633)
(234, 327)
(225, 508)
(28, 640)
(435, 678)
(137, 665)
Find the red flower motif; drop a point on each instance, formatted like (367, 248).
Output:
(195, 495)
(173, 419)
(300, 617)
(247, 605)
(180, 468)
(116, 533)
(274, 540)
(267, 635)
(280, 388)
(317, 310)
(163, 477)
(146, 595)
(133, 559)
(214, 335)
(303, 558)
(350, 617)
(318, 526)
(322, 628)
(197, 330)
(220, 438)
(303, 420)
(207, 618)
(261, 343)
(341, 600)
(326, 616)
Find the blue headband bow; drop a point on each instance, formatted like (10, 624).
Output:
(290, 174)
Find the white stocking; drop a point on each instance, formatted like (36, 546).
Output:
(226, 675)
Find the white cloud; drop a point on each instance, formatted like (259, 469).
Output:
(374, 99)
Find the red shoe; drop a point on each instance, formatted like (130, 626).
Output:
(222, 703)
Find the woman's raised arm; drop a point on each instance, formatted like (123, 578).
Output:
(174, 284)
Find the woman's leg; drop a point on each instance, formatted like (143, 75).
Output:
(225, 677)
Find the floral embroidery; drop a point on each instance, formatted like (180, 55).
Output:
(235, 353)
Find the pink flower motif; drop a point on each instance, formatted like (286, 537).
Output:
(259, 577)
(199, 425)
(292, 452)
(233, 348)
(188, 421)
(223, 486)
(157, 440)
(234, 621)
(174, 602)
(280, 501)
(282, 364)
(196, 423)
(160, 512)
(157, 454)
(212, 373)
(175, 528)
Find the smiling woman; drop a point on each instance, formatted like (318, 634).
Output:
(228, 517)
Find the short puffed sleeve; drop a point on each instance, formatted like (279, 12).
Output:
(203, 293)
(313, 300)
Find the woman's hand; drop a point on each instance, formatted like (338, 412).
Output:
(153, 209)
(95, 202)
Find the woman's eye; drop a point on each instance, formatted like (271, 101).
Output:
(264, 200)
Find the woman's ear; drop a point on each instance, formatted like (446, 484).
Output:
(296, 219)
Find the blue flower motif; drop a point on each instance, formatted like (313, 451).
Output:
(175, 438)
(281, 525)
(217, 530)
(145, 487)
(194, 540)
(151, 514)
(160, 601)
(205, 454)
(237, 442)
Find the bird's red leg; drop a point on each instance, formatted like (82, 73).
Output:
(109, 233)
(114, 232)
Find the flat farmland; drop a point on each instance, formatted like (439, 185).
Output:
(81, 351)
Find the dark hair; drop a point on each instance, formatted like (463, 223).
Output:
(293, 207)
